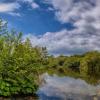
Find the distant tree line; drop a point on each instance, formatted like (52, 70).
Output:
(85, 64)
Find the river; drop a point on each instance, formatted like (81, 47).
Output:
(67, 88)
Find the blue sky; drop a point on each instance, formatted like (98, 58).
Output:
(63, 26)
(32, 20)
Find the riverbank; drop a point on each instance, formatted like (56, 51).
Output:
(20, 97)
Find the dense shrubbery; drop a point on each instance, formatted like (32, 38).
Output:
(19, 63)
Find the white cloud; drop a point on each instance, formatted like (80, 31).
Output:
(33, 4)
(72, 10)
(14, 14)
(66, 42)
(8, 7)
(85, 16)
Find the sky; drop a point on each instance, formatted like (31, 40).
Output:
(64, 26)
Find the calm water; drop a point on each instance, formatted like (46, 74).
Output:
(67, 88)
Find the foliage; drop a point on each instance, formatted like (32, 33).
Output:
(90, 64)
(19, 64)
(72, 63)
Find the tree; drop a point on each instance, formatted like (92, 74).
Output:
(20, 64)
(73, 63)
(90, 64)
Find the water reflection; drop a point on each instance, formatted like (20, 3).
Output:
(67, 88)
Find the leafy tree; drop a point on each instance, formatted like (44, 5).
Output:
(72, 63)
(20, 64)
(90, 64)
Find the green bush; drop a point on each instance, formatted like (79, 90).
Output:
(20, 64)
